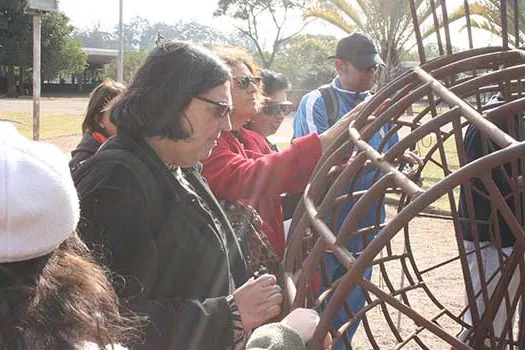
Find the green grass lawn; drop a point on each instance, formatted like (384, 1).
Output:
(433, 173)
(282, 145)
(50, 125)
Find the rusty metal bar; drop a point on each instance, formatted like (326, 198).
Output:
(436, 26)
(444, 13)
(417, 32)
(377, 159)
(504, 24)
(516, 24)
(453, 180)
(351, 222)
(431, 326)
(466, 6)
(498, 136)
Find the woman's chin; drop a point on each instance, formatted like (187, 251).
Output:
(206, 153)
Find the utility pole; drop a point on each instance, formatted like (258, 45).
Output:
(120, 63)
(36, 8)
(37, 35)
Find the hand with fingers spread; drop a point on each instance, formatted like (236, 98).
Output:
(412, 161)
(412, 158)
(258, 300)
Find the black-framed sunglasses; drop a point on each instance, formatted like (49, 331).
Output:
(370, 69)
(245, 82)
(223, 109)
(274, 108)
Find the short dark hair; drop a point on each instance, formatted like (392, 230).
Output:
(99, 100)
(273, 81)
(173, 74)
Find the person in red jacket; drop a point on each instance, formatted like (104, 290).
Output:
(243, 167)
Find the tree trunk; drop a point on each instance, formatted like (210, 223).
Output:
(11, 81)
(21, 80)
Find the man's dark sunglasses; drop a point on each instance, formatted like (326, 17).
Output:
(224, 109)
(370, 69)
(245, 82)
(274, 109)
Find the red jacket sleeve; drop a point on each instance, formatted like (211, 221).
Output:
(232, 175)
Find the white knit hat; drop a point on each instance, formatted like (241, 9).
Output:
(39, 206)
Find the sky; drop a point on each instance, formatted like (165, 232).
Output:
(106, 14)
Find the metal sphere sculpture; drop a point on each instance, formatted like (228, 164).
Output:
(408, 304)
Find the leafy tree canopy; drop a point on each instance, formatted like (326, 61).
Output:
(486, 15)
(140, 34)
(304, 61)
(252, 13)
(58, 52)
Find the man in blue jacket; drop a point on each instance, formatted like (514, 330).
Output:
(356, 62)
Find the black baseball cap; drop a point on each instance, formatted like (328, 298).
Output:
(360, 50)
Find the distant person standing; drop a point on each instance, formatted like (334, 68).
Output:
(96, 127)
(356, 62)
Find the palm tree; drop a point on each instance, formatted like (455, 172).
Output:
(488, 17)
(388, 22)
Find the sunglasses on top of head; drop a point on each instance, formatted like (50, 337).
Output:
(245, 82)
(273, 108)
(223, 109)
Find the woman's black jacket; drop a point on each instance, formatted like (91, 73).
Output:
(174, 265)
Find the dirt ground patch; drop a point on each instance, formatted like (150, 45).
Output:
(432, 241)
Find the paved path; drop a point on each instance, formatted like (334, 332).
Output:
(48, 105)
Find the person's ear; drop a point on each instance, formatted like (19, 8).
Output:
(339, 65)
(100, 120)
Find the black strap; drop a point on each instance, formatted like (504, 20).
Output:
(331, 103)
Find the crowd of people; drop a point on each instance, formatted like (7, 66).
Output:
(167, 231)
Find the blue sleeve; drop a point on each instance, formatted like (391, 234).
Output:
(311, 115)
(393, 139)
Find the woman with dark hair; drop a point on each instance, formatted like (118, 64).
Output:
(96, 126)
(147, 210)
(275, 106)
(52, 293)
(243, 167)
